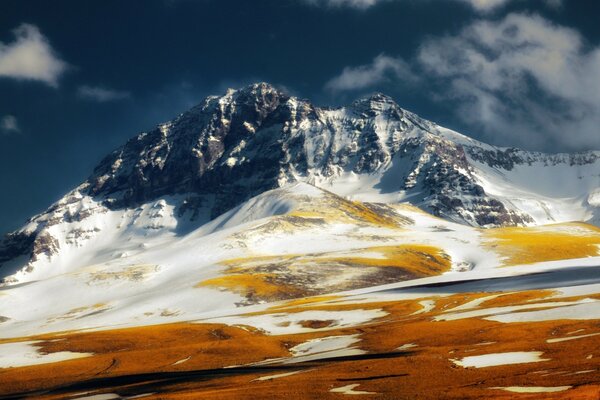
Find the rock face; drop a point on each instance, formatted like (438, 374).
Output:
(231, 148)
(248, 141)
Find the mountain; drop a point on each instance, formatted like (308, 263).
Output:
(258, 246)
(228, 149)
(233, 147)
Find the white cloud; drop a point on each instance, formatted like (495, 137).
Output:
(9, 124)
(522, 77)
(521, 80)
(358, 4)
(485, 5)
(101, 94)
(30, 57)
(379, 70)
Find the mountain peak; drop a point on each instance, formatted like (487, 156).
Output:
(254, 139)
(382, 98)
(259, 87)
(375, 104)
(258, 90)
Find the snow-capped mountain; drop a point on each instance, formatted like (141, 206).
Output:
(259, 244)
(176, 178)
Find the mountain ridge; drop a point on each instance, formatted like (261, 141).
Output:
(231, 148)
(229, 122)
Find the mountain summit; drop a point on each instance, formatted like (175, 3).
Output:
(230, 148)
(257, 243)
(233, 147)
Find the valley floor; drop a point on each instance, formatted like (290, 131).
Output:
(433, 338)
(325, 298)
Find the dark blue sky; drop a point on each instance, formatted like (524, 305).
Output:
(98, 72)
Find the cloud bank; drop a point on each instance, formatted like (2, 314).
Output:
(522, 77)
(30, 57)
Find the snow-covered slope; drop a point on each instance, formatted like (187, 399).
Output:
(140, 271)
(296, 241)
(297, 286)
(195, 170)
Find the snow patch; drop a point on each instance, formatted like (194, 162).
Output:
(349, 389)
(495, 359)
(21, 354)
(533, 389)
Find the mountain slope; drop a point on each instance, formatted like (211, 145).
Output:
(169, 181)
(287, 243)
(298, 293)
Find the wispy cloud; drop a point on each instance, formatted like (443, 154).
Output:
(381, 69)
(480, 6)
(30, 57)
(521, 78)
(101, 94)
(556, 4)
(485, 6)
(357, 4)
(9, 125)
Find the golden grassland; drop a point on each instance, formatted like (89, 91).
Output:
(421, 260)
(272, 278)
(425, 371)
(280, 277)
(523, 297)
(518, 245)
(276, 277)
(252, 285)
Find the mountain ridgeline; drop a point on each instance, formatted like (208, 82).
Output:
(233, 147)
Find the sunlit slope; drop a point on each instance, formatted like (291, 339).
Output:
(285, 244)
(430, 338)
(301, 291)
(544, 243)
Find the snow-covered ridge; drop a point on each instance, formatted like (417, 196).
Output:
(253, 139)
(188, 172)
